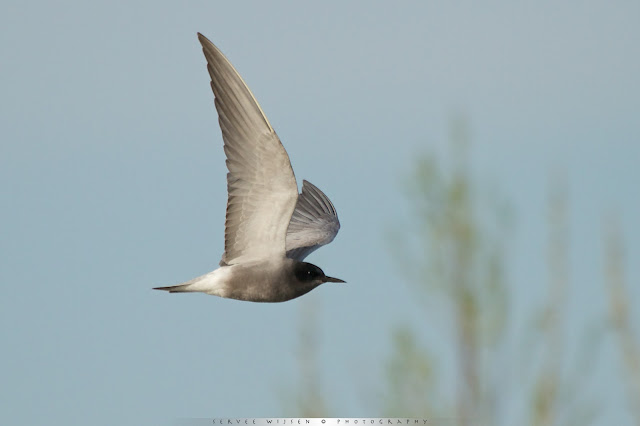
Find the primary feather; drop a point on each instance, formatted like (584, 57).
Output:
(314, 223)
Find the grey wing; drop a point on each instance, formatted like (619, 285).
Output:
(314, 223)
(261, 185)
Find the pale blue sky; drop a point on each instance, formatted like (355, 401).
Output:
(113, 182)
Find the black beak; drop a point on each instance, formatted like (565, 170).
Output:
(333, 280)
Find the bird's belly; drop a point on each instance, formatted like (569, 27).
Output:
(260, 282)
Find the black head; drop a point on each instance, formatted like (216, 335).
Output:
(308, 273)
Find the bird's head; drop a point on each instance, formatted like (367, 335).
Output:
(311, 274)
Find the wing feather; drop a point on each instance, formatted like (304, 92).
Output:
(314, 223)
(261, 184)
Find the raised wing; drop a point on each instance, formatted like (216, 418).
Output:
(261, 185)
(314, 223)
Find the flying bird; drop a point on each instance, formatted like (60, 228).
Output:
(269, 229)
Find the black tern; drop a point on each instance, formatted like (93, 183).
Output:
(270, 228)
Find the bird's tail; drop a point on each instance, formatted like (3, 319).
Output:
(209, 283)
(180, 288)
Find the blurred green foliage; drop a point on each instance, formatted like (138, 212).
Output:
(453, 252)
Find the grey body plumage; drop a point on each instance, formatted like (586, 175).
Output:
(269, 227)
